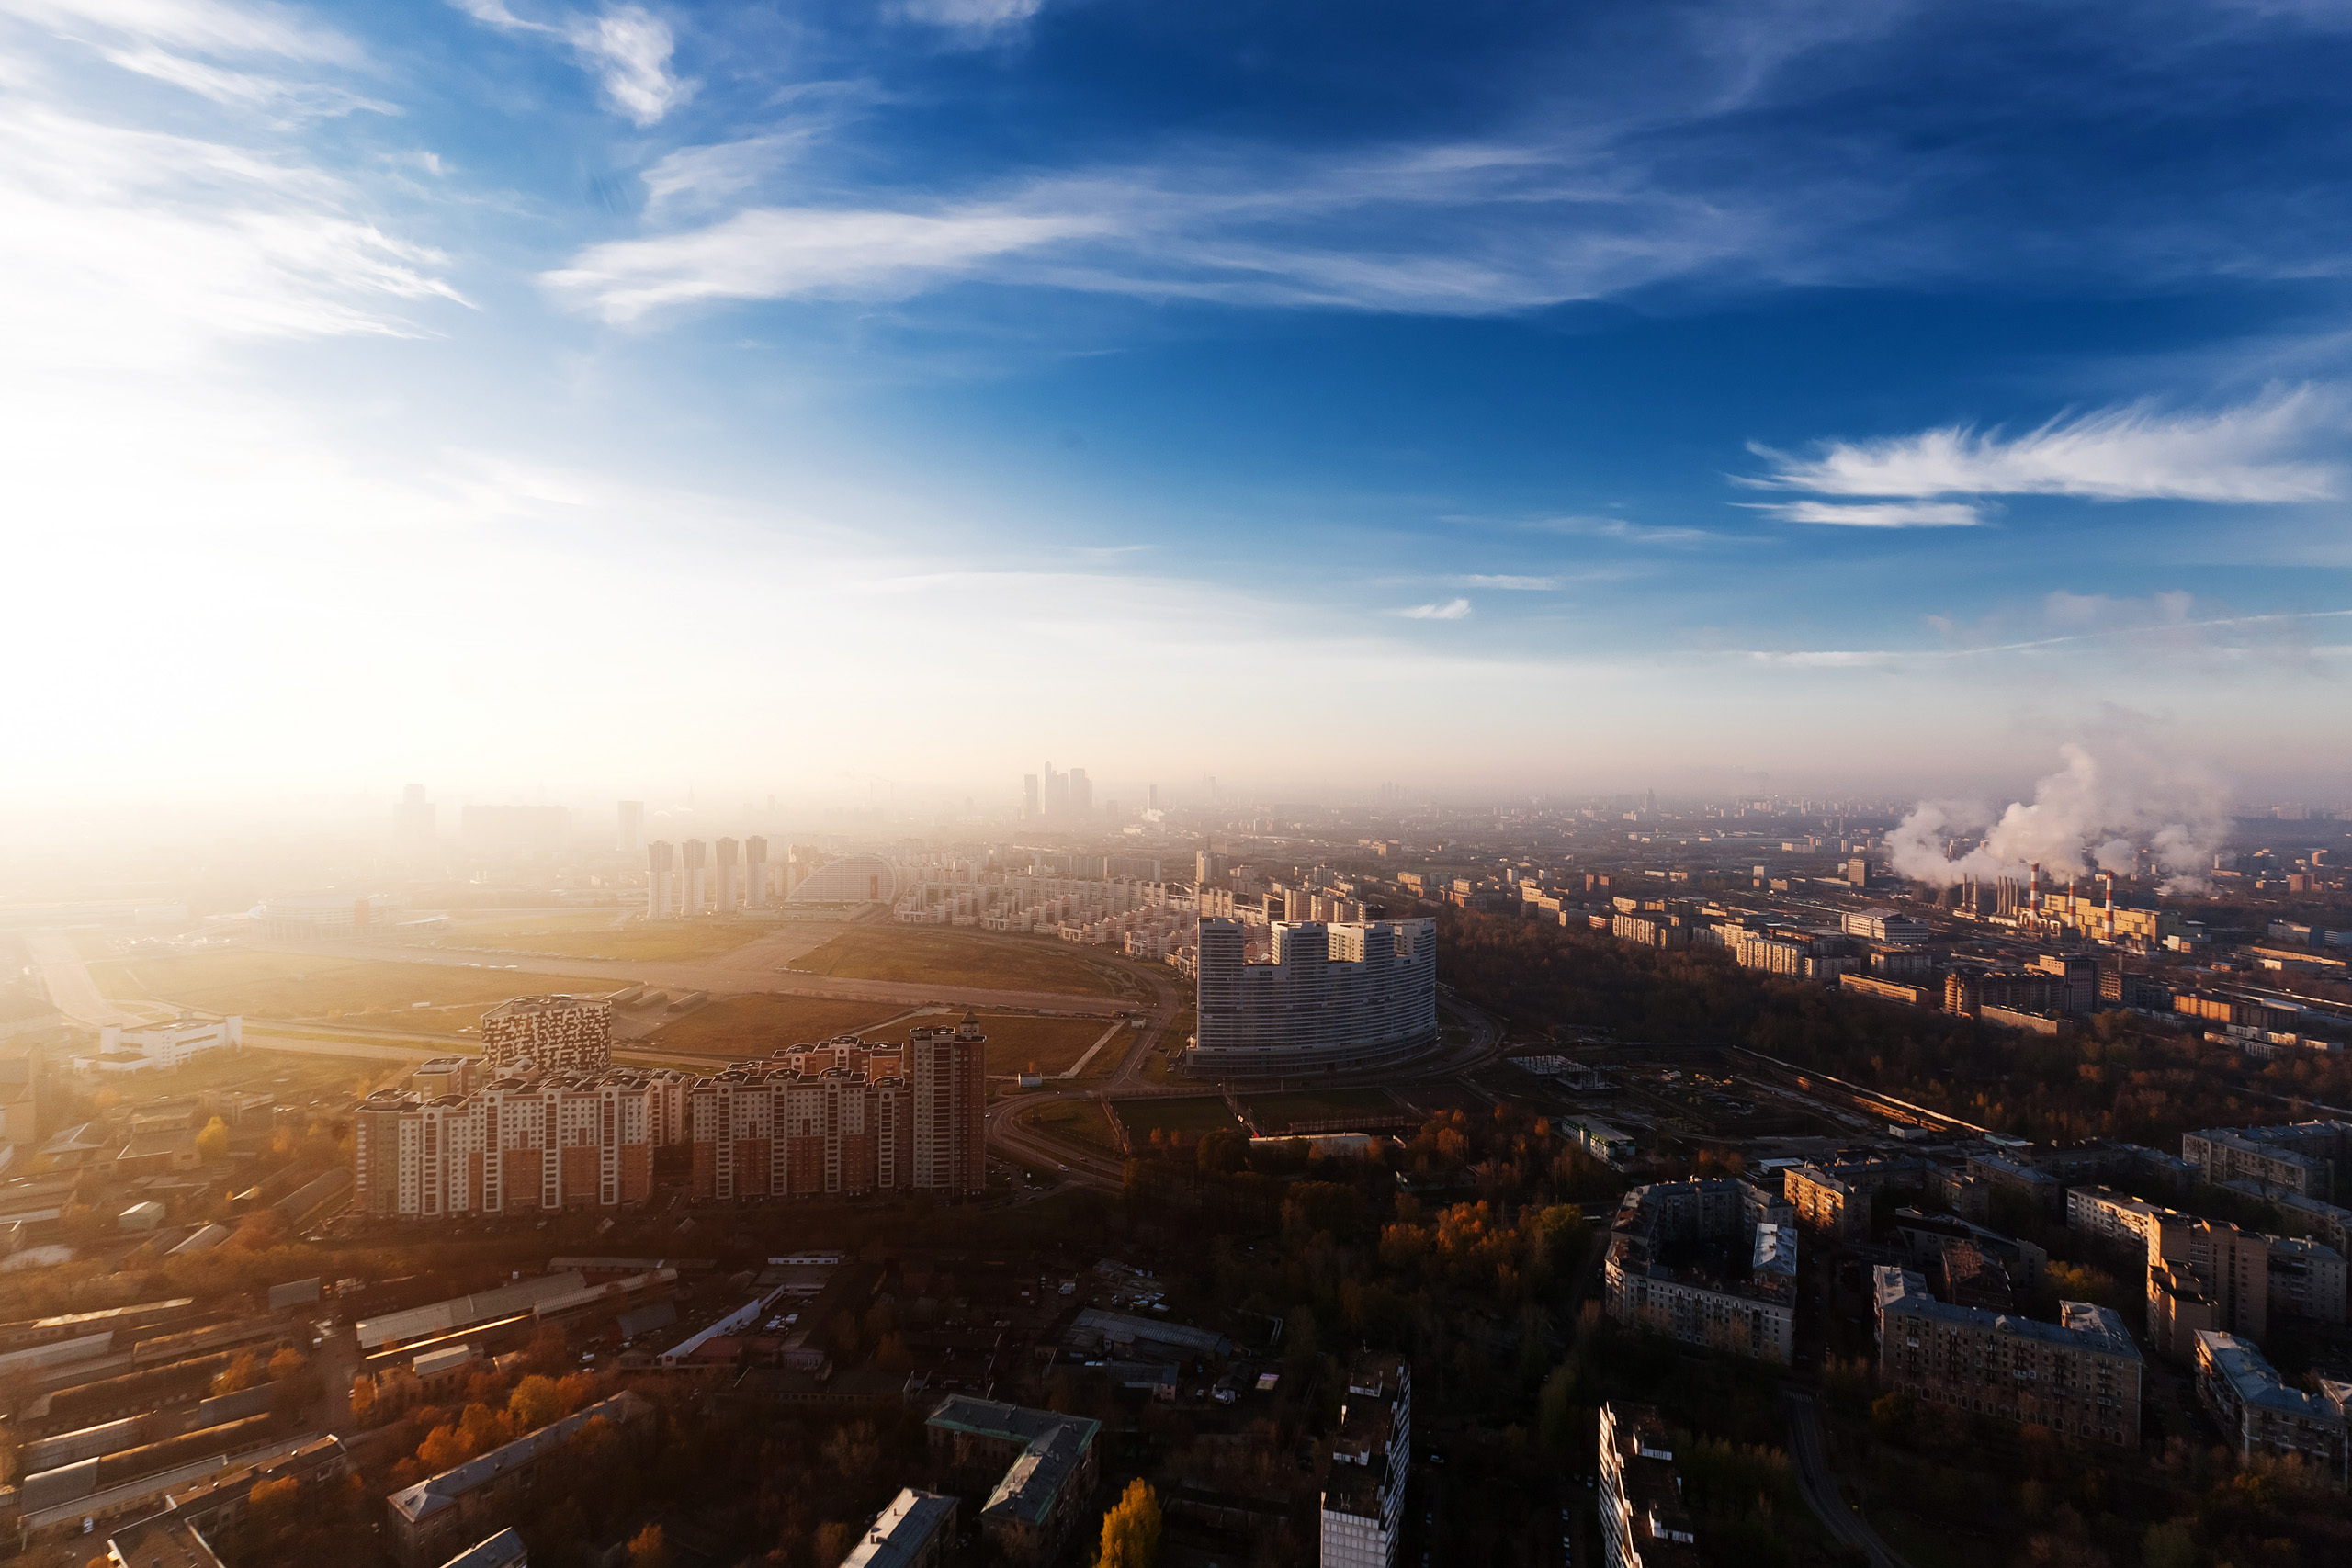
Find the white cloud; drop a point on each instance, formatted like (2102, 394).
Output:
(979, 15)
(626, 47)
(1878, 514)
(783, 253)
(1513, 584)
(2253, 453)
(1451, 610)
(705, 177)
(191, 43)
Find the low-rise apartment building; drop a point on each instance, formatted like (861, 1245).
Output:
(429, 1521)
(2080, 1376)
(2262, 1416)
(1643, 1521)
(1372, 1457)
(1657, 1273)
(1043, 1465)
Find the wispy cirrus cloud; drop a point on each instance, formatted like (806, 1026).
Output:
(254, 57)
(1445, 610)
(628, 48)
(2258, 452)
(1874, 515)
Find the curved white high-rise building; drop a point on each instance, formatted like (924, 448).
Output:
(1334, 998)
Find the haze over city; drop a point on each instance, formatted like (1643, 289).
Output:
(1089, 784)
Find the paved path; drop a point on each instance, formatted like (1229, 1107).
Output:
(71, 989)
(1819, 1486)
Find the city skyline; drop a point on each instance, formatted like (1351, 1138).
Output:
(1182, 359)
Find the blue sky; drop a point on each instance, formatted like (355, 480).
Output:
(1492, 396)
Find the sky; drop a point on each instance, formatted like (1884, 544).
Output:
(636, 399)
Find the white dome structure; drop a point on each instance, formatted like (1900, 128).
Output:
(853, 879)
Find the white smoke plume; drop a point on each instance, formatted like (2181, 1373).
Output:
(2095, 813)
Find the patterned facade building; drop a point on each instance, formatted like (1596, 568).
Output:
(549, 1034)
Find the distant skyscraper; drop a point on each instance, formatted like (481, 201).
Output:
(413, 826)
(661, 891)
(1032, 807)
(730, 877)
(1152, 799)
(1056, 792)
(755, 871)
(632, 832)
(1082, 794)
(697, 868)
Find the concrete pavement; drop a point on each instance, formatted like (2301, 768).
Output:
(1818, 1485)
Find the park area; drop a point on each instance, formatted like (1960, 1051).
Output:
(610, 935)
(297, 985)
(949, 958)
(1079, 1121)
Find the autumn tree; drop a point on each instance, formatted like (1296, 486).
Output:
(213, 1142)
(1131, 1529)
(648, 1549)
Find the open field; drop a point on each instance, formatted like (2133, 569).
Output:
(739, 1027)
(604, 933)
(994, 960)
(1191, 1114)
(1055, 1044)
(295, 986)
(92, 944)
(1276, 1110)
(1080, 1121)
(329, 1083)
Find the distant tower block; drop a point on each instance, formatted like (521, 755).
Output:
(731, 877)
(632, 826)
(661, 884)
(697, 876)
(755, 866)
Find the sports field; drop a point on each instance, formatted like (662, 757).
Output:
(297, 985)
(950, 957)
(1278, 1111)
(1191, 1114)
(740, 1027)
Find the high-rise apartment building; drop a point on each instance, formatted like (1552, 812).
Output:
(1333, 997)
(1033, 804)
(1082, 794)
(731, 877)
(1643, 1521)
(549, 1034)
(413, 820)
(846, 1119)
(755, 871)
(517, 1144)
(631, 838)
(696, 857)
(1372, 1458)
(661, 881)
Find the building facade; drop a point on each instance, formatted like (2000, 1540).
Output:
(1643, 1521)
(1755, 1317)
(2262, 1416)
(1332, 997)
(2080, 1377)
(517, 1144)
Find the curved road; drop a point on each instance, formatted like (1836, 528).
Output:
(1011, 1136)
(1819, 1486)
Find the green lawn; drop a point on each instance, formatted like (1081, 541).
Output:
(952, 957)
(739, 1027)
(296, 986)
(1191, 1114)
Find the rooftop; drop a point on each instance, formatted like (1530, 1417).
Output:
(436, 1493)
(1057, 1443)
(901, 1530)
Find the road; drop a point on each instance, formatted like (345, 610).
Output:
(1010, 1136)
(71, 989)
(1819, 1486)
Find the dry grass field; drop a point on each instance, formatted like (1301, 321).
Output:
(739, 1027)
(952, 957)
(299, 985)
(601, 933)
(1054, 1044)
